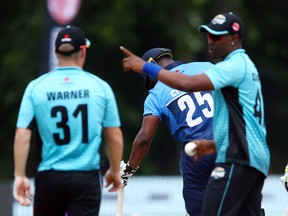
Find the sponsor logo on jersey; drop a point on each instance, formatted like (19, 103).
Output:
(66, 79)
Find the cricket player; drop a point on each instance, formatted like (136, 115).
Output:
(188, 116)
(70, 108)
(239, 129)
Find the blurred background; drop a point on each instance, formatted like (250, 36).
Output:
(27, 29)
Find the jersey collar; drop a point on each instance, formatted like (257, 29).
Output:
(235, 52)
(68, 68)
(173, 65)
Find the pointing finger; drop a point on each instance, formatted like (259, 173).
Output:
(126, 51)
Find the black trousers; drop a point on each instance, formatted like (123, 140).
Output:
(234, 190)
(77, 193)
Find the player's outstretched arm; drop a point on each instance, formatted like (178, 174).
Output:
(183, 82)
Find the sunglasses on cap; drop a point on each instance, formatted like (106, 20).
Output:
(214, 37)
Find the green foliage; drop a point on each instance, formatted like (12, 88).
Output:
(21, 28)
(141, 25)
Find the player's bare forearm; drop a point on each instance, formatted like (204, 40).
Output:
(22, 190)
(142, 141)
(21, 150)
(114, 147)
(138, 153)
(175, 80)
(184, 82)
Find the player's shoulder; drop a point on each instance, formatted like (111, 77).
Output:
(39, 79)
(96, 79)
(201, 65)
(93, 76)
(237, 61)
(237, 58)
(193, 68)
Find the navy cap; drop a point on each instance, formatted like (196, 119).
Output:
(71, 35)
(225, 23)
(153, 55)
(156, 53)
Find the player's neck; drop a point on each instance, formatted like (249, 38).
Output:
(70, 64)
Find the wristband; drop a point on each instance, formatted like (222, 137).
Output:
(131, 169)
(151, 69)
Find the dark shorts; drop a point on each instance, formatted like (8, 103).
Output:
(77, 193)
(234, 190)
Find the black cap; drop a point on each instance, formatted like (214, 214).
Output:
(153, 55)
(71, 35)
(225, 23)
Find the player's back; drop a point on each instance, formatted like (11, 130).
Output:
(187, 114)
(71, 106)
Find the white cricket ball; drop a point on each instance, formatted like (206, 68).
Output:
(190, 148)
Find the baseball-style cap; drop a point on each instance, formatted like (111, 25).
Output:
(153, 55)
(71, 35)
(225, 23)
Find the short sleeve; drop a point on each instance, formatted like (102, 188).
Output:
(226, 73)
(26, 113)
(150, 106)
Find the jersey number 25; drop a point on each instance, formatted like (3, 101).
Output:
(186, 102)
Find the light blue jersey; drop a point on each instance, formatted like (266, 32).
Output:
(188, 115)
(239, 126)
(70, 107)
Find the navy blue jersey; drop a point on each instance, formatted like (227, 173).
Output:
(188, 115)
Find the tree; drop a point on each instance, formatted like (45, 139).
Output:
(141, 25)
